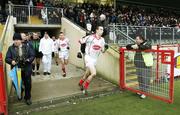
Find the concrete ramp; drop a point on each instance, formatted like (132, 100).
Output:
(55, 88)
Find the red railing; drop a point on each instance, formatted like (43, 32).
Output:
(3, 96)
(160, 85)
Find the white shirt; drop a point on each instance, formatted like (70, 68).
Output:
(94, 46)
(46, 45)
(63, 44)
(31, 3)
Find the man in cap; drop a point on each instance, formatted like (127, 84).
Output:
(21, 55)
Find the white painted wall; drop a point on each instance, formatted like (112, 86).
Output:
(8, 35)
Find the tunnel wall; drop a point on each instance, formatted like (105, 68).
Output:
(7, 41)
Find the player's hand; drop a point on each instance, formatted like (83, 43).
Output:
(59, 49)
(135, 46)
(13, 62)
(79, 55)
(106, 46)
(27, 61)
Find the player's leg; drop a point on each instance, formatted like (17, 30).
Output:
(33, 67)
(38, 60)
(81, 81)
(92, 70)
(61, 60)
(65, 60)
(56, 58)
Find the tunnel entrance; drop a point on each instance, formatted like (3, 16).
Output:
(53, 30)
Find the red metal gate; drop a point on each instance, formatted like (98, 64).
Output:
(156, 81)
(3, 97)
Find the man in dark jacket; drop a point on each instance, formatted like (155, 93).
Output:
(36, 63)
(21, 55)
(143, 62)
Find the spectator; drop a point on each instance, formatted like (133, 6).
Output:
(143, 62)
(36, 63)
(21, 55)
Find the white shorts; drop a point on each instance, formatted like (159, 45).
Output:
(89, 61)
(64, 55)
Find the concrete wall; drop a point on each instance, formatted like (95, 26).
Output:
(74, 33)
(7, 36)
(108, 66)
(108, 63)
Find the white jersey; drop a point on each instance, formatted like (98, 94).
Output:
(63, 44)
(94, 46)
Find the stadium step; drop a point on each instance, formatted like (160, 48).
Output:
(1, 29)
(130, 73)
(51, 90)
(36, 20)
(22, 108)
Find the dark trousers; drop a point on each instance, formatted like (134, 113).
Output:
(26, 80)
(144, 78)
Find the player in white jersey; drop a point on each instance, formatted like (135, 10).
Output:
(63, 49)
(95, 45)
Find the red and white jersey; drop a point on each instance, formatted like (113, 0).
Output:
(63, 44)
(94, 46)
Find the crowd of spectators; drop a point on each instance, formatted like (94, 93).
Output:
(41, 8)
(104, 14)
(2, 16)
(124, 15)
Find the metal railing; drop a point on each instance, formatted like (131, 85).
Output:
(36, 15)
(153, 75)
(157, 35)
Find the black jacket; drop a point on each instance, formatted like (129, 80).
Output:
(25, 61)
(138, 59)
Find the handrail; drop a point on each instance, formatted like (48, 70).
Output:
(120, 25)
(126, 36)
(117, 51)
(34, 6)
(4, 33)
(74, 23)
(43, 13)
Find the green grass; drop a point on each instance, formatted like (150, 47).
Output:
(125, 103)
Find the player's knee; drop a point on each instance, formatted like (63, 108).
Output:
(93, 74)
(66, 62)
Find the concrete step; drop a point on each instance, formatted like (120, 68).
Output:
(132, 77)
(1, 29)
(55, 89)
(132, 84)
(131, 70)
(36, 20)
(62, 92)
